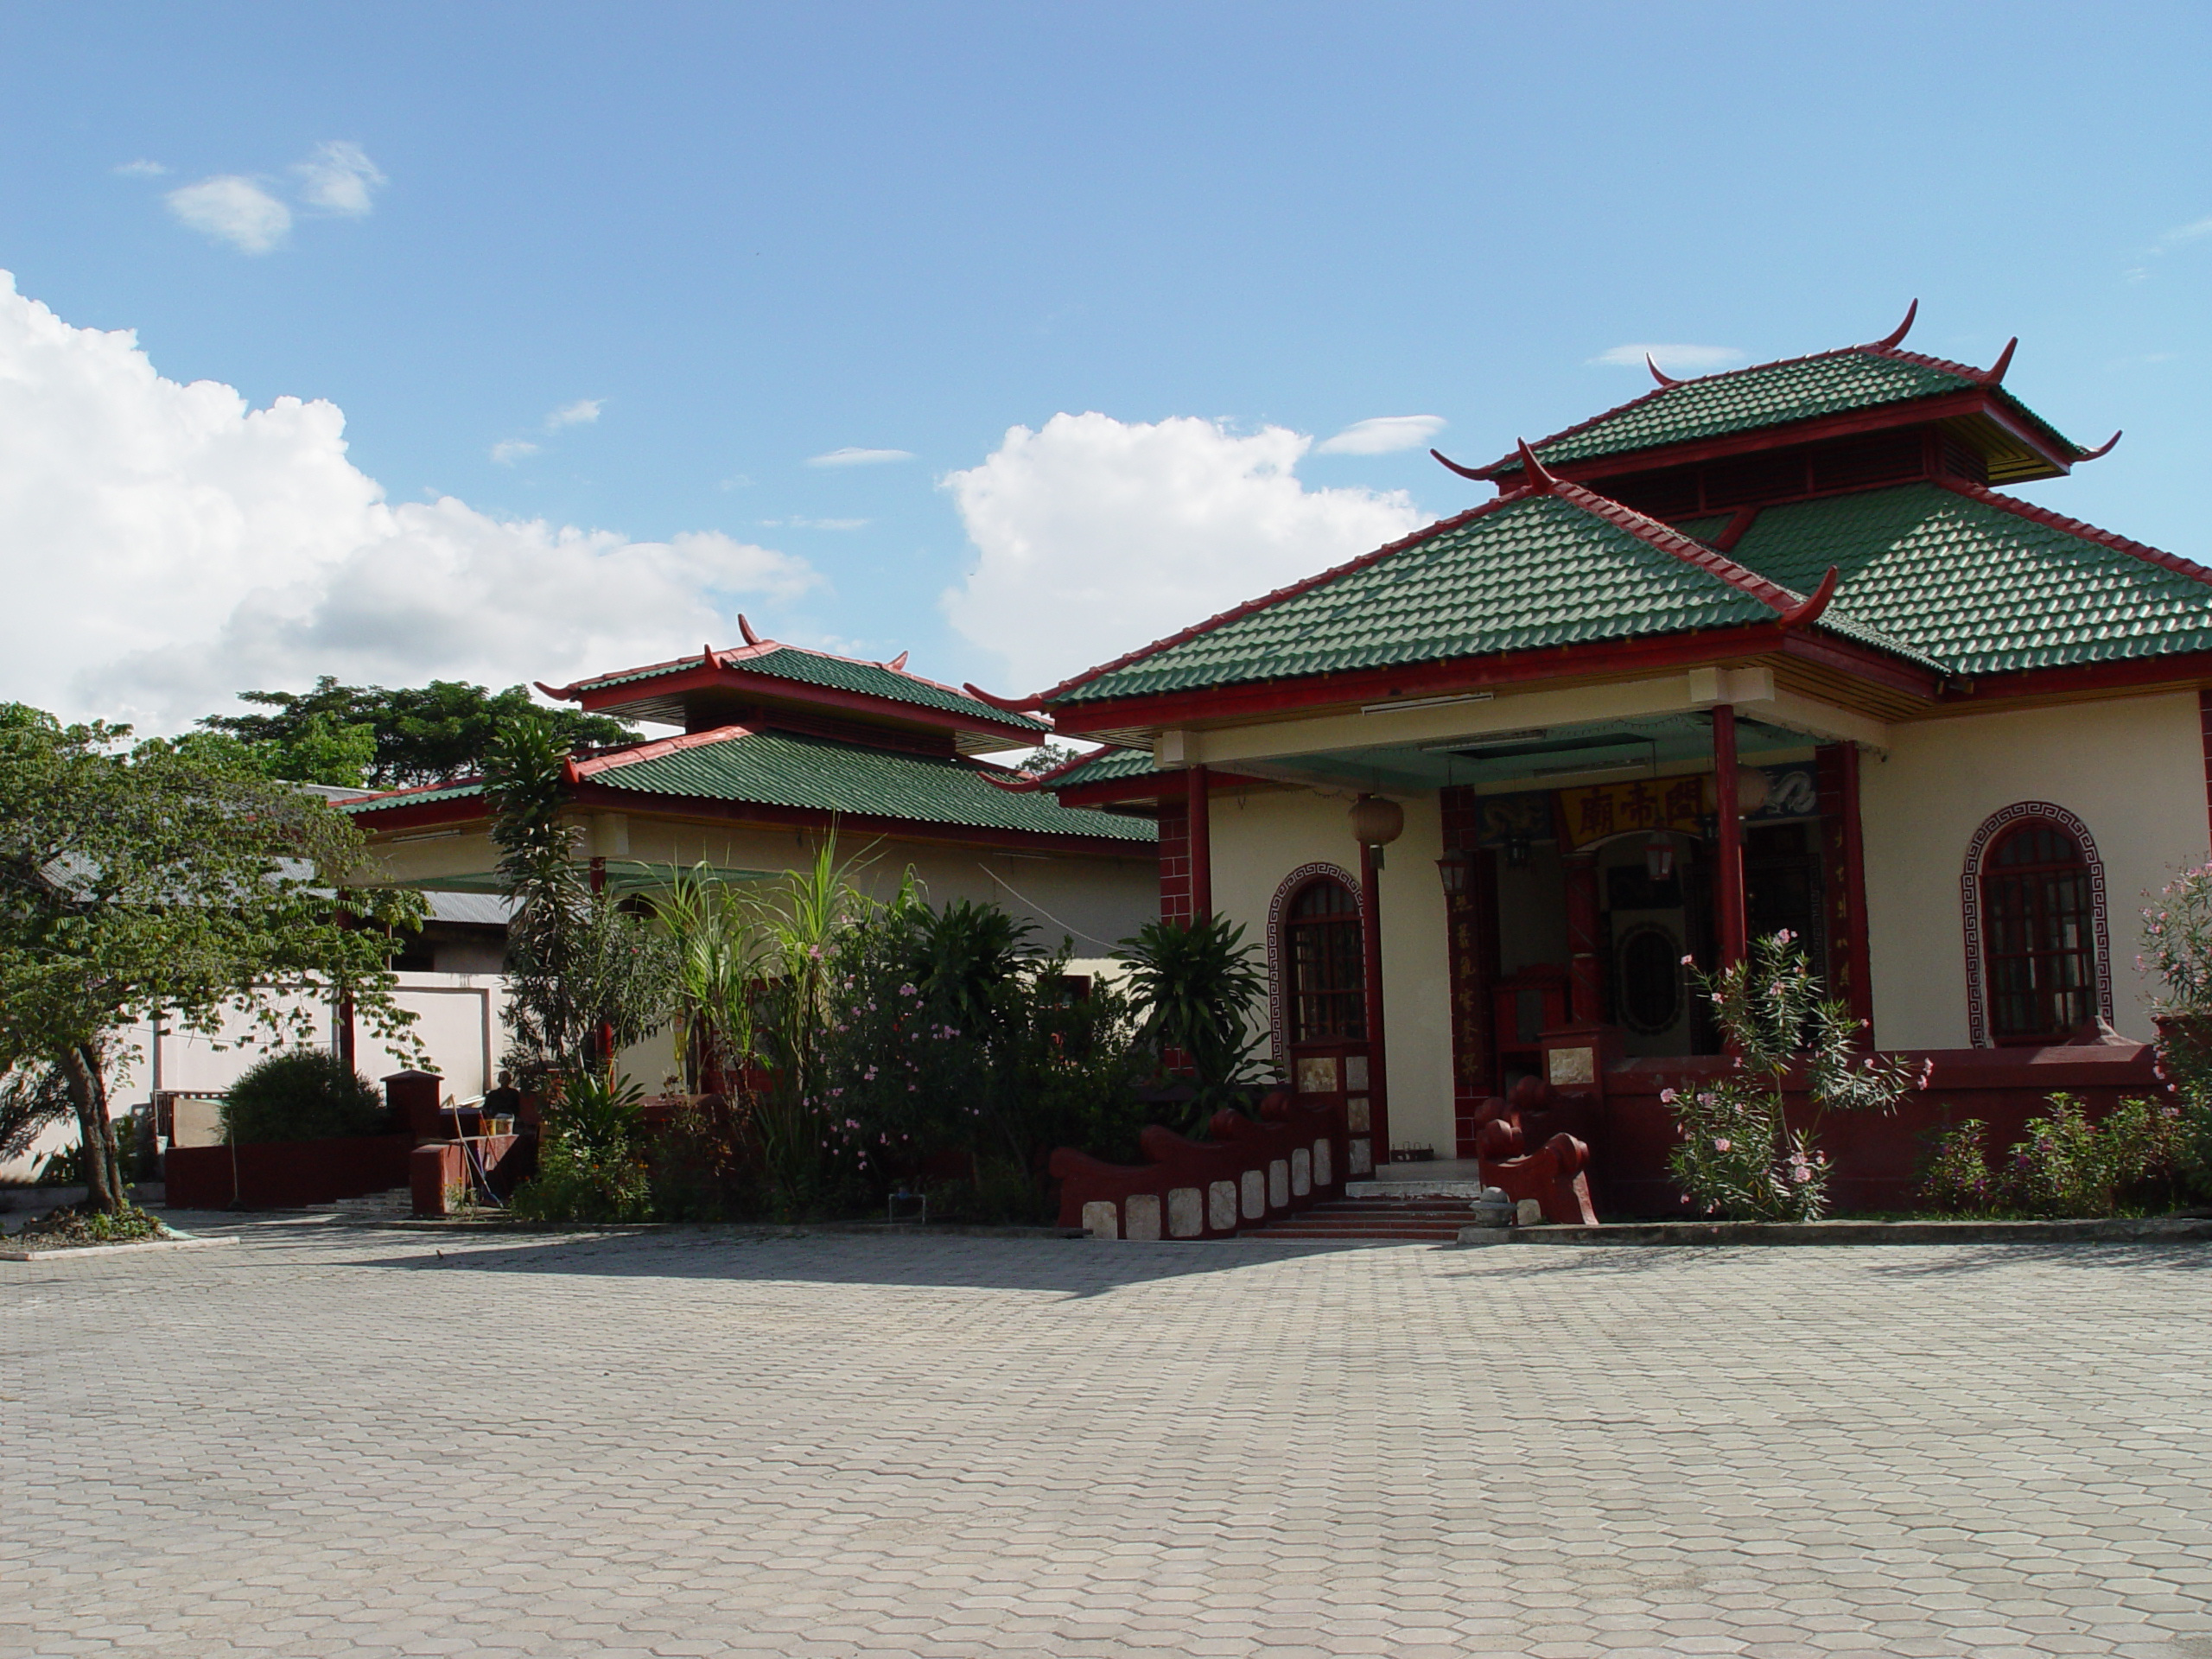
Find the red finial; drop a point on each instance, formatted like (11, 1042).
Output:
(899, 663)
(1539, 481)
(1464, 472)
(1663, 379)
(1011, 705)
(706, 657)
(746, 628)
(1798, 615)
(1896, 336)
(1995, 375)
(2100, 451)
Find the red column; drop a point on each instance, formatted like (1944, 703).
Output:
(1196, 783)
(1586, 970)
(1175, 861)
(1728, 865)
(1370, 939)
(345, 1031)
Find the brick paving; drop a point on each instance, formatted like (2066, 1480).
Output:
(331, 1441)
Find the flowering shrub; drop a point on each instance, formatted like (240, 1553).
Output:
(1739, 1155)
(2178, 947)
(2067, 1167)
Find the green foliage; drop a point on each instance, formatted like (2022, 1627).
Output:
(590, 1165)
(389, 739)
(125, 1224)
(586, 976)
(2067, 1167)
(1739, 1155)
(718, 959)
(33, 1099)
(174, 877)
(1201, 990)
(302, 1094)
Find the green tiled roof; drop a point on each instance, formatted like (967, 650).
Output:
(786, 769)
(836, 673)
(412, 798)
(1108, 765)
(1532, 572)
(1977, 586)
(1772, 394)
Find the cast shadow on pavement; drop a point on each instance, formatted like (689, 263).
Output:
(1071, 1266)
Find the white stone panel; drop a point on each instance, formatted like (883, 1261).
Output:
(1279, 1184)
(1324, 1174)
(1301, 1172)
(1186, 1212)
(1140, 1217)
(1255, 1195)
(1101, 1219)
(1359, 1156)
(1221, 1206)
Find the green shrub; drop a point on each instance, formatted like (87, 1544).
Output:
(302, 1094)
(2067, 1167)
(589, 1163)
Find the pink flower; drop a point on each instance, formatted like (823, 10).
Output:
(1689, 961)
(1784, 937)
(1801, 1175)
(1708, 1100)
(1722, 1145)
(1668, 1096)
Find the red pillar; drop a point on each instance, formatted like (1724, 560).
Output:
(345, 1031)
(1370, 941)
(1586, 969)
(1201, 831)
(1728, 870)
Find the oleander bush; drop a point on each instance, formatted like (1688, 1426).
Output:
(302, 1094)
(2130, 1163)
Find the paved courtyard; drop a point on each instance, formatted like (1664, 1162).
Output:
(331, 1441)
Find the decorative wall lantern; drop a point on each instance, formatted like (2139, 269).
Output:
(1517, 851)
(1659, 857)
(1375, 821)
(1751, 791)
(1455, 867)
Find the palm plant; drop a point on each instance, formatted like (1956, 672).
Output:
(1201, 992)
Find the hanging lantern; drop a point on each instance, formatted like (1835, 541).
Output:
(1375, 821)
(1659, 858)
(1455, 867)
(1751, 791)
(1517, 848)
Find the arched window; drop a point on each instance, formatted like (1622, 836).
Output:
(1328, 977)
(2038, 932)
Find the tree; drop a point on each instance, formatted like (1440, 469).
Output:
(585, 977)
(171, 877)
(380, 738)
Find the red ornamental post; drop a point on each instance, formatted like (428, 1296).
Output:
(1197, 784)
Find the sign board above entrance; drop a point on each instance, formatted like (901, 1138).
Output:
(1603, 809)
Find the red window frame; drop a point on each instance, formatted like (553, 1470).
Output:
(2039, 941)
(1324, 957)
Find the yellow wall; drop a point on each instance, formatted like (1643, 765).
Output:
(2131, 769)
(1260, 838)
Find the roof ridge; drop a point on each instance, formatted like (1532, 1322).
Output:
(652, 750)
(2077, 527)
(1222, 618)
(380, 796)
(1688, 549)
(1965, 371)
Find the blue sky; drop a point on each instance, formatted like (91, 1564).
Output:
(756, 235)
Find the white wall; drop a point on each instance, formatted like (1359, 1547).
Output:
(2131, 769)
(1262, 835)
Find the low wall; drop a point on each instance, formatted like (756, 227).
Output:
(439, 1168)
(284, 1174)
(1287, 1158)
(1878, 1159)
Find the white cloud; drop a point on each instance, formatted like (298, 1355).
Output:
(582, 412)
(850, 456)
(1684, 359)
(164, 546)
(141, 169)
(234, 209)
(814, 524)
(338, 178)
(508, 451)
(1098, 536)
(2189, 232)
(1383, 435)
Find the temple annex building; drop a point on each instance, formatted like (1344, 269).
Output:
(1766, 649)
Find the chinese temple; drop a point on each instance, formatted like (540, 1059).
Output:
(1766, 649)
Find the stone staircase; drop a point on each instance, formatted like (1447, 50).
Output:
(1415, 1219)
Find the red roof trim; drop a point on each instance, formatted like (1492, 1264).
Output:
(1235, 613)
(1689, 550)
(652, 751)
(735, 657)
(2075, 527)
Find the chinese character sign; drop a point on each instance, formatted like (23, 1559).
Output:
(1603, 809)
